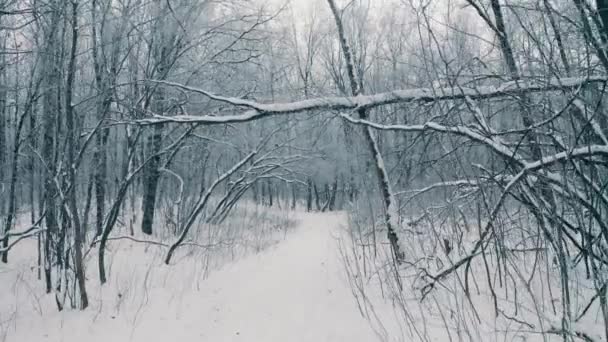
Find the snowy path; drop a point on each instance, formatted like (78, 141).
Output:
(295, 291)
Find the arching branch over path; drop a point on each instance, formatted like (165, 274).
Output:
(257, 110)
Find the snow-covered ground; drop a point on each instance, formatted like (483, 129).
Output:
(271, 284)
(295, 290)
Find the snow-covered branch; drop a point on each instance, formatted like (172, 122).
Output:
(257, 110)
(446, 184)
(459, 130)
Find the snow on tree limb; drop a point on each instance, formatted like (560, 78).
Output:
(439, 185)
(257, 110)
(464, 131)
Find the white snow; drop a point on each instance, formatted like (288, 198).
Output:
(294, 291)
(257, 110)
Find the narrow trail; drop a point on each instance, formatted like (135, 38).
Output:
(294, 291)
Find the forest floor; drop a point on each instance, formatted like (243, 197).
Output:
(296, 290)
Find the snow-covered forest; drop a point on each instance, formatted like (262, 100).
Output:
(303, 170)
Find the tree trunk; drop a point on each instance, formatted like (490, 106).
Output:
(4, 147)
(71, 144)
(33, 184)
(3, 116)
(332, 197)
(317, 200)
(327, 195)
(151, 172)
(100, 158)
(254, 190)
(309, 195)
(151, 176)
(389, 201)
(105, 76)
(270, 199)
(50, 108)
(293, 196)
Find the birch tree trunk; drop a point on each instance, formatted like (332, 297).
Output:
(50, 108)
(389, 201)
